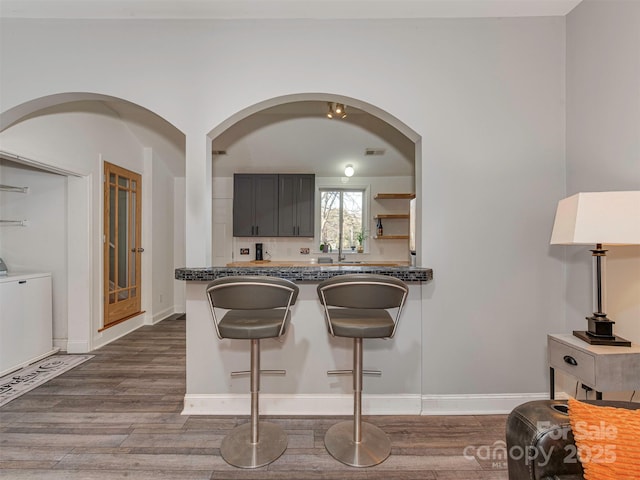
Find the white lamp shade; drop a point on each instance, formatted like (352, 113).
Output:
(611, 218)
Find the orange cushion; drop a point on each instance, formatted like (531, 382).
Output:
(607, 440)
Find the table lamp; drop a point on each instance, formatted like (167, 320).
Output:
(598, 218)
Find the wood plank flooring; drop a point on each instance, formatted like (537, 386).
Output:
(118, 416)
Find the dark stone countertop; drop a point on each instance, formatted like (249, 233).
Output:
(313, 273)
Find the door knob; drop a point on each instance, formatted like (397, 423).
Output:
(139, 250)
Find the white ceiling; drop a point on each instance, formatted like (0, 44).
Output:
(282, 9)
(299, 138)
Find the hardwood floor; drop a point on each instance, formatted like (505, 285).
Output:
(118, 416)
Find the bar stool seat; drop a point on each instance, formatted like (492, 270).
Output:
(357, 306)
(248, 324)
(361, 323)
(257, 307)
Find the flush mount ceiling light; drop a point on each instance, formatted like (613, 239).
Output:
(336, 110)
(349, 171)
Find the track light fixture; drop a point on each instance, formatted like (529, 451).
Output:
(336, 110)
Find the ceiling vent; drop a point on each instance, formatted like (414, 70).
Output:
(374, 151)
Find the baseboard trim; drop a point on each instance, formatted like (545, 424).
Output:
(300, 404)
(29, 361)
(77, 347)
(342, 404)
(60, 344)
(164, 314)
(476, 404)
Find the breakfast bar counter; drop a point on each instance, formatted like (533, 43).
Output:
(306, 351)
(305, 271)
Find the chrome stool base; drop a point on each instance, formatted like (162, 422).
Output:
(237, 450)
(374, 448)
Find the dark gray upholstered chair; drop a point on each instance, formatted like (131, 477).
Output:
(257, 307)
(356, 306)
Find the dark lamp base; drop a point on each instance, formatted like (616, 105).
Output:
(595, 340)
(600, 327)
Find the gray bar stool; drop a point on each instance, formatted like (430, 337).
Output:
(258, 307)
(362, 301)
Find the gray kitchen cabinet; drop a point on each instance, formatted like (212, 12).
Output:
(255, 205)
(295, 205)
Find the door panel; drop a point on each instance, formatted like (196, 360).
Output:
(122, 248)
(305, 205)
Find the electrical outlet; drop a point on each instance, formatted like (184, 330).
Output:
(304, 250)
(244, 251)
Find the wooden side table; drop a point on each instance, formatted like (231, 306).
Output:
(602, 368)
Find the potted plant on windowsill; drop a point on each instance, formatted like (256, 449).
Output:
(360, 236)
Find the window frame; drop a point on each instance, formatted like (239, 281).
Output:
(366, 199)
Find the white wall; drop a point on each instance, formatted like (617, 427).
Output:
(162, 241)
(179, 239)
(485, 96)
(603, 147)
(79, 136)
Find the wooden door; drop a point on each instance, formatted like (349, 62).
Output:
(122, 246)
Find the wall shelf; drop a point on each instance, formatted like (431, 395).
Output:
(391, 215)
(13, 223)
(392, 237)
(9, 188)
(395, 196)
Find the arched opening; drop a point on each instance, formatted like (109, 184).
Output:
(292, 135)
(60, 143)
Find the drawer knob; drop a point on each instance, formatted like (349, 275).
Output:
(570, 360)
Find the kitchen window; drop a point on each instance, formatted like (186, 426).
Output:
(342, 212)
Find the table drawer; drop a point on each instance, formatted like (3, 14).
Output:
(573, 361)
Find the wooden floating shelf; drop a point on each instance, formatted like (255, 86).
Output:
(392, 237)
(391, 215)
(394, 196)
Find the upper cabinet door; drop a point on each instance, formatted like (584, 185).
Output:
(306, 187)
(296, 203)
(243, 216)
(266, 205)
(287, 221)
(255, 205)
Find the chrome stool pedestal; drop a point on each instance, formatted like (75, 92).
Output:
(257, 443)
(238, 450)
(373, 448)
(354, 442)
(257, 307)
(355, 306)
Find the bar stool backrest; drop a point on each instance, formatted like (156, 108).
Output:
(251, 292)
(363, 291)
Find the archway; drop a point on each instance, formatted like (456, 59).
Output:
(71, 134)
(306, 106)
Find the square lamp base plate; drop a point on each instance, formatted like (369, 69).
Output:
(615, 341)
